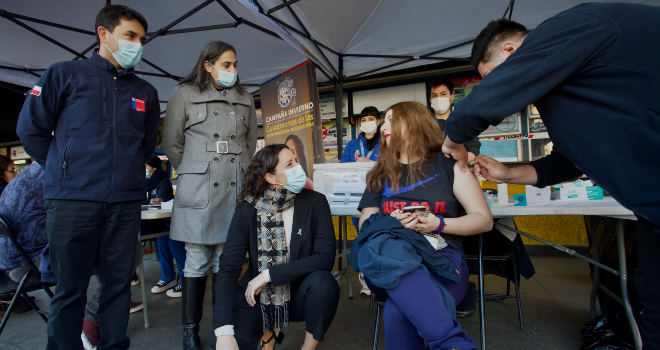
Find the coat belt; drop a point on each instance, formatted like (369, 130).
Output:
(223, 147)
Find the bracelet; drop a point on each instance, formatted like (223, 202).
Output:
(441, 226)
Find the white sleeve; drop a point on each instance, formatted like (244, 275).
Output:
(224, 330)
(266, 275)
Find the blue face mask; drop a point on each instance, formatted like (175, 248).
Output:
(128, 54)
(225, 79)
(148, 174)
(295, 179)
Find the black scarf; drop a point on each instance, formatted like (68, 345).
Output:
(272, 250)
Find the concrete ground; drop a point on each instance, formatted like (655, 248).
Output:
(555, 304)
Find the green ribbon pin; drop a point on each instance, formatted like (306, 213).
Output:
(300, 232)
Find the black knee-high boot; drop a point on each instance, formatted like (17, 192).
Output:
(193, 303)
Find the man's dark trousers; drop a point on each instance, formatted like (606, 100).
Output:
(647, 281)
(80, 232)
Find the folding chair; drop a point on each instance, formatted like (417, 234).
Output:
(21, 289)
(465, 309)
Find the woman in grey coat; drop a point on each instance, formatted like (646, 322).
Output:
(209, 136)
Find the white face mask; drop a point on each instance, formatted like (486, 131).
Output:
(440, 104)
(368, 127)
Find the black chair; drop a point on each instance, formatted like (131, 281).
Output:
(499, 249)
(7, 286)
(466, 308)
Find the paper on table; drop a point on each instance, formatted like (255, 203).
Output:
(347, 193)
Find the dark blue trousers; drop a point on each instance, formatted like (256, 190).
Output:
(168, 251)
(414, 310)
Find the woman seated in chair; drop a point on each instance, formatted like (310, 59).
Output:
(412, 171)
(289, 235)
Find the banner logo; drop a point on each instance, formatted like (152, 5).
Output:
(285, 92)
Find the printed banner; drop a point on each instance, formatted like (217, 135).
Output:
(330, 133)
(291, 115)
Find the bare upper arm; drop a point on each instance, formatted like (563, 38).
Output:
(469, 194)
(366, 213)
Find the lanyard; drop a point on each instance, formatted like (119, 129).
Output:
(362, 149)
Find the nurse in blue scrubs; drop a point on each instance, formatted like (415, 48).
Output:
(364, 149)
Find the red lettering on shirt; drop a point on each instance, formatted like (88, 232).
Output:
(386, 207)
(440, 207)
(426, 205)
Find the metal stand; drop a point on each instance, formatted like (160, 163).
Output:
(144, 295)
(622, 273)
(345, 268)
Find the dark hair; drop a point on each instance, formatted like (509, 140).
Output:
(110, 16)
(300, 151)
(5, 162)
(494, 33)
(155, 162)
(372, 111)
(440, 82)
(263, 162)
(202, 79)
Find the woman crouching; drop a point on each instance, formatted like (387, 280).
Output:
(413, 171)
(289, 235)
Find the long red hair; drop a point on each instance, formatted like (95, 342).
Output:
(422, 142)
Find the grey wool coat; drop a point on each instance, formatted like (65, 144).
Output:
(209, 138)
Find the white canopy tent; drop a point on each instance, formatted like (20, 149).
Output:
(347, 39)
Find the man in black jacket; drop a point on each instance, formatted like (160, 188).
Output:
(92, 125)
(575, 67)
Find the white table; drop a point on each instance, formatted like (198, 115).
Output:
(607, 207)
(151, 214)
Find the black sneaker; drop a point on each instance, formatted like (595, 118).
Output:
(163, 286)
(176, 292)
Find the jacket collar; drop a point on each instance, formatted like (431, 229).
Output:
(301, 206)
(212, 95)
(104, 64)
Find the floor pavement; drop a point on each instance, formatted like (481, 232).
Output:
(555, 306)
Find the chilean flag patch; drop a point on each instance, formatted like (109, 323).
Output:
(36, 91)
(137, 104)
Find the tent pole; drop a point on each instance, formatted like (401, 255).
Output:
(44, 36)
(6, 14)
(21, 70)
(164, 30)
(511, 11)
(11, 88)
(315, 44)
(279, 7)
(161, 70)
(108, 2)
(339, 108)
(412, 59)
(407, 57)
(509, 7)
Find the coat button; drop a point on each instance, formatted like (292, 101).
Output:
(216, 135)
(200, 116)
(233, 137)
(215, 112)
(243, 118)
(215, 159)
(216, 184)
(231, 114)
(233, 184)
(233, 160)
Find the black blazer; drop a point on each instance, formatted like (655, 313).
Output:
(312, 250)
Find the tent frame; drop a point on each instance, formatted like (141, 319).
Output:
(337, 81)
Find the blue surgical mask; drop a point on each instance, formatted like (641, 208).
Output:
(148, 174)
(128, 54)
(225, 79)
(295, 179)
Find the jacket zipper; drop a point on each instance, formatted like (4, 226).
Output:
(66, 146)
(114, 141)
(105, 104)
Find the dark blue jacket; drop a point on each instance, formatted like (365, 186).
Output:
(22, 204)
(353, 149)
(385, 251)
(105, 125)
(593, 72)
